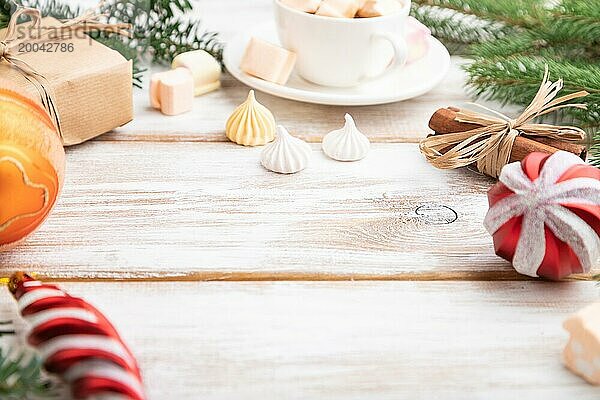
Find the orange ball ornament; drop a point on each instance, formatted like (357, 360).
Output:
(32, 164)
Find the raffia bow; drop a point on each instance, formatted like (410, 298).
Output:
(85, 23)
(490, 146)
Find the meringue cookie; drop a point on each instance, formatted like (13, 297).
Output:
(251, 124)
(286, 154)
(346, 144)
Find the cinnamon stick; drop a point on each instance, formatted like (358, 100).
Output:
(442, 122)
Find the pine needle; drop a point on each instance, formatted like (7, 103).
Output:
(161, 28)
(512, 41)
(21, 378)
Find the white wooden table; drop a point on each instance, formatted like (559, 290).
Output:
(359, 280)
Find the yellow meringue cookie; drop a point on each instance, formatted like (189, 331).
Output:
(251, 124)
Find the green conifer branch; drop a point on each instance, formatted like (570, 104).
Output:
(516, 79)
(516, 13)
(21, 378)
(161, 28)
(458, 30)
(508, 64)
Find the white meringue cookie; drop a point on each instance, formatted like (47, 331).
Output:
(286, 154)
(346, 144)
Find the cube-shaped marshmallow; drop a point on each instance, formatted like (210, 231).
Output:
(338, 8)
(267, 61)
(308, 6)
(378, 8)
(205, 70)
(582, 353)
(172, 91)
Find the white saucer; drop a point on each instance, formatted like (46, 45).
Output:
(411, 81)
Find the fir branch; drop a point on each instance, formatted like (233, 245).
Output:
(532, 44)
(457, 30)
(508, 64)
(130, 53)
(180, 37)
(53, 8)
(6, 9)
(516, 13)
(22, 378)
(594, 153)
(575, 31)
(161, 28)
(516, 79)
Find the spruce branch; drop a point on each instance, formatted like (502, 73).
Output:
(6, 9)
(161, 28)
(508, 63)
(21, 378)
(3, 20)
(582, 32)
(528, 43)
(516, 13)
(516, 80)
(53, 8)
(458, 30)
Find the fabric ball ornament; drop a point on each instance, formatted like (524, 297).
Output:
(77, 342)
(32, 163)
(545, 215)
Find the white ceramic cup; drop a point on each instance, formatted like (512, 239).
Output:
(342, 52)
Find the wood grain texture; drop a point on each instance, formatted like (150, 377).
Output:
(210, 211)
(405, 121)
(206, 211)
(135, 209)
(351, 340)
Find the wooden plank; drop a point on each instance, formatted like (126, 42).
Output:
(134, 210)
(398, 122)
(385, 340)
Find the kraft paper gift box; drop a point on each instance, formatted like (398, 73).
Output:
(92, 84)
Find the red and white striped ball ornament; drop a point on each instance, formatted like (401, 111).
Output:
(544, 215)
(77, 342)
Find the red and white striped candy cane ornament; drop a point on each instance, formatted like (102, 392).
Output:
(77, 342)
